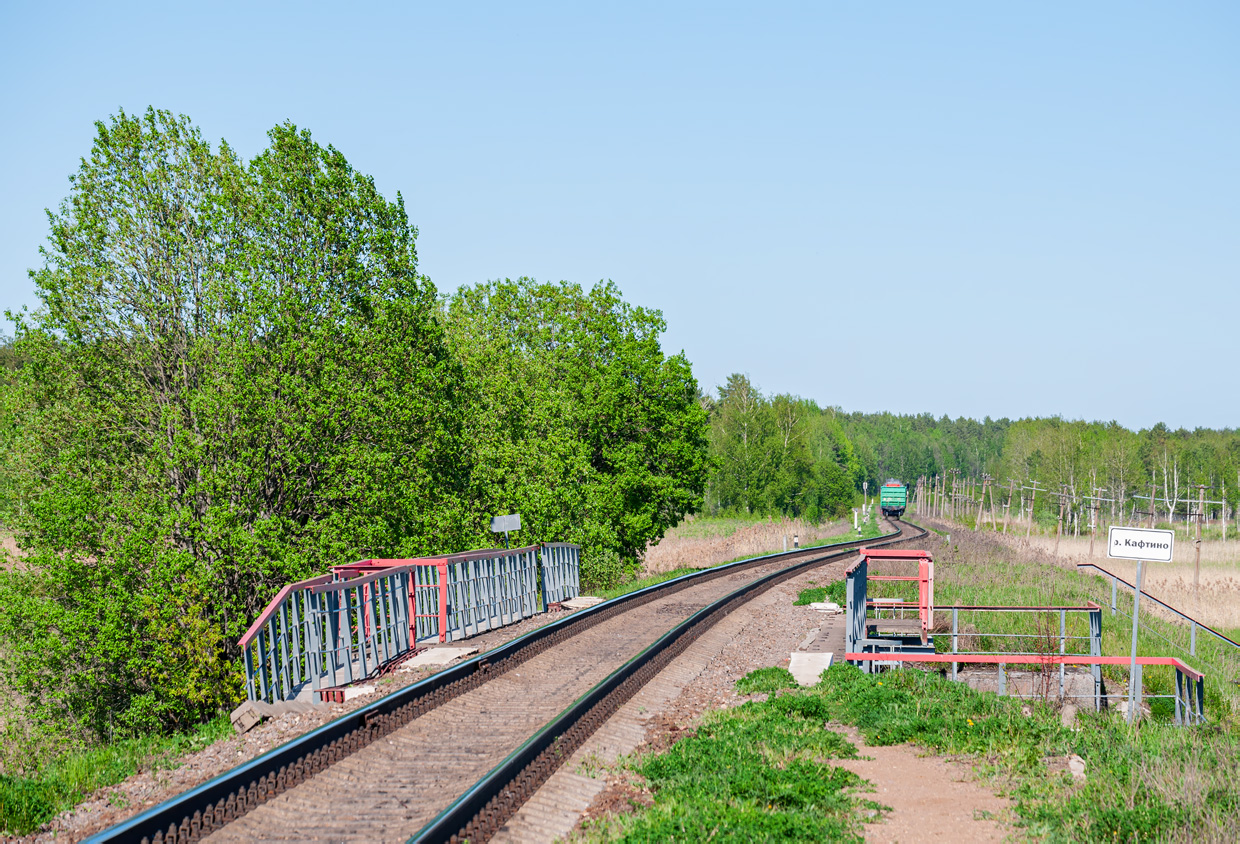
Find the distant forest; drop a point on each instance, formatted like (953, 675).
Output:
(784, 455)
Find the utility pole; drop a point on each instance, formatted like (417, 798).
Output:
(1201, 504)
(1032, 500)
(981, 500)
(1059, 524)
(1007, 508)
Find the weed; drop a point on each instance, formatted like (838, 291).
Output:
(27, 801)
(833, 592)
(766, 680)
(757, 772)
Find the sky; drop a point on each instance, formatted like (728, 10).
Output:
(965, 209)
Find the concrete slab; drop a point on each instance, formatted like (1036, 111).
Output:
(250, 713)
(351, 692)
(434, 656)
(826, 606)
(581, 602)
(808, 667)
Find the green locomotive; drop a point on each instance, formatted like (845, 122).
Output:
(893, 498)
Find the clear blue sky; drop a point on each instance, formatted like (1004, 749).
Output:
(963, 208)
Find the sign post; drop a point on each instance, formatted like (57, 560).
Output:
(1138, 544)
(504, 524)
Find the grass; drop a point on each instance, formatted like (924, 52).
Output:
(706, 541)
(762, 771)
(758, 772)
(978, 569)
(868, 531)
(1154, 782)
(833, 592)
(31, 800)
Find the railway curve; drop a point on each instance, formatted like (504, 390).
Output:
(456, 754)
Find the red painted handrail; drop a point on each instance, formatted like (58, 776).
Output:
(274, 605)
(1026, 659)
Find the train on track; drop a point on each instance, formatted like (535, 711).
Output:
(893, 498)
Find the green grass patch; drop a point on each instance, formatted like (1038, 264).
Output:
(833, 592)
(766, 680)
(1154, 783)
(29, 801)
(758, 772)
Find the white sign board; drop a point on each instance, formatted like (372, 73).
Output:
(502, 524)
(1140, 544)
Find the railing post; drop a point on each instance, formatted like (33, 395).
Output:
(955, 633)
(249, 671)
(1179, 691)
(1063, 639)
(443, 601)
(1095, 649)
(1114, 587)
(1192, 639)
(1002, 679)
(315, 663)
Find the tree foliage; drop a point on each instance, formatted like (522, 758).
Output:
(575, 418)
(236, 378)
(780, 455)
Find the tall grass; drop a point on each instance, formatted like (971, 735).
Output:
(978, 569)
(706, 541)
(29, 800)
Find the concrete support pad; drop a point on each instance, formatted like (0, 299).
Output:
(808, 667)
(826, 606)
(252, 712)
(351, 692)
(435, 656)
(581, 602)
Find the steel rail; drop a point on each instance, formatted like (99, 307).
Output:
(486, 806)
(209, 806)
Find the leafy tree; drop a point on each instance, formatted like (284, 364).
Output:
(575, 417)
(236, 377)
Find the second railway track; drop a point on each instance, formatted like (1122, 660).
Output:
(456, 754)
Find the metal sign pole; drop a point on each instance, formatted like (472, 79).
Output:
(1134, 670)
(1142, 545)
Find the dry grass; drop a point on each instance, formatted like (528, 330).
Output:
(702, 542)
(1216, 602)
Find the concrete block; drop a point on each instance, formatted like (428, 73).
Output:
(806, 668)
(826, 606)
(246, 717)
(249, 714)
(581, 602)
(351, 692)
(434, 656)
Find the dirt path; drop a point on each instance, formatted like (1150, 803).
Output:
(933, 798)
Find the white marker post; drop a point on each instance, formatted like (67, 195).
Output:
(1138, 544)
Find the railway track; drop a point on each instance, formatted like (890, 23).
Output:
(455, 755)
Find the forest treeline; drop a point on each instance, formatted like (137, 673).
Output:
(237, 377)
(786, 455)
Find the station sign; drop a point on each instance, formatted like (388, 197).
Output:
(1140, 544)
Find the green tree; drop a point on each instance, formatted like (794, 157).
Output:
(576, 419)
(235, 378)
